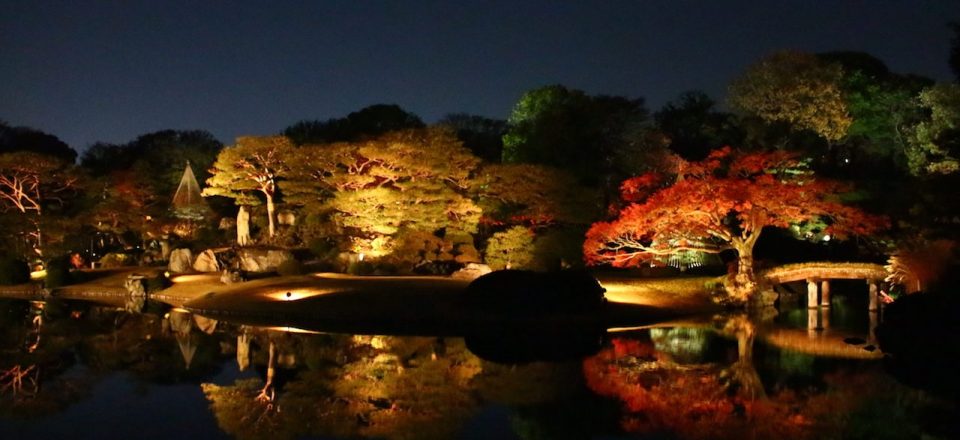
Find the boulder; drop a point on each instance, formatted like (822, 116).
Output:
(181, 260)
(263, 260)
(471, 271)
(206, 262)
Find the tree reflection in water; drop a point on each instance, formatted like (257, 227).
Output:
(723, 380)
(665, 394)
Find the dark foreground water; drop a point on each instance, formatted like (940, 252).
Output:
(77, 371)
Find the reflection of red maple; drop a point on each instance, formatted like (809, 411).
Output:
(687, 401)
(721, 203)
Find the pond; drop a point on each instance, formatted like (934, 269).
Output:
(73, 370)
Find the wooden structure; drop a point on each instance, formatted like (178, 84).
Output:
(818, 276)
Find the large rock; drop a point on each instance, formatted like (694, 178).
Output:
(181, 260)
(206, 262)
(471, 271)
(263, 260)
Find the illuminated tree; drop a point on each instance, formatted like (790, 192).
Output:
(30, 184)
(126, 199)
(797, 89)
(882, 105)
(723, 203)
(510, 249)
(934, 146)
(535, 195)
(254, 164)
(411, 180)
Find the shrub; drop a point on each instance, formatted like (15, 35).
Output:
(58, 272)
(13, 271)
(360, 268)
(116, 259)
(290, 267)
(513, 248)
(323, 248)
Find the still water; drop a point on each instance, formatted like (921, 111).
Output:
(78, 371)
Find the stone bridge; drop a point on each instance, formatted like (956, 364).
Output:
(818, 276)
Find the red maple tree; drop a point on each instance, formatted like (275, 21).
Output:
(722, 203)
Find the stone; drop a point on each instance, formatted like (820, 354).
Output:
(286, 218)
(206, 262)
(206, 325)
(136, 293)
(471, 271)
(227, 224)
(181, 260)
(243, 226)
(263, 260)
(230, 277)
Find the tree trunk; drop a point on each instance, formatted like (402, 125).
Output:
(744, 283)
(243, 226)
(270, 214)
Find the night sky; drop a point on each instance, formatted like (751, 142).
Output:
(109, 71)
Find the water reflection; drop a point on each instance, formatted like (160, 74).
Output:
(730, 377)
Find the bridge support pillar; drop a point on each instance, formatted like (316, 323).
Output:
(812, 300)
(825, 293)
(874, 296)
(813, 324)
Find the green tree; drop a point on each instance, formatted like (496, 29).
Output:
(882, 105)
(796, 89)
(568, 129)
(254, 165)
(934, 145)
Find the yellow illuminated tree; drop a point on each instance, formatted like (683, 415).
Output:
(410, 180)
(254, 164)
(797, 89)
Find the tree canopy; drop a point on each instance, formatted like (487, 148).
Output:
(368, 121)
(14, 139)
(30, 185)
(415, 180)
(797, 89)
(254, 165)
(157, 157)
(934, 147)
(722, 203)
(695, 126)
(569, 129)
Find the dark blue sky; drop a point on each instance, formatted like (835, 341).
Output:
(110, 70)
